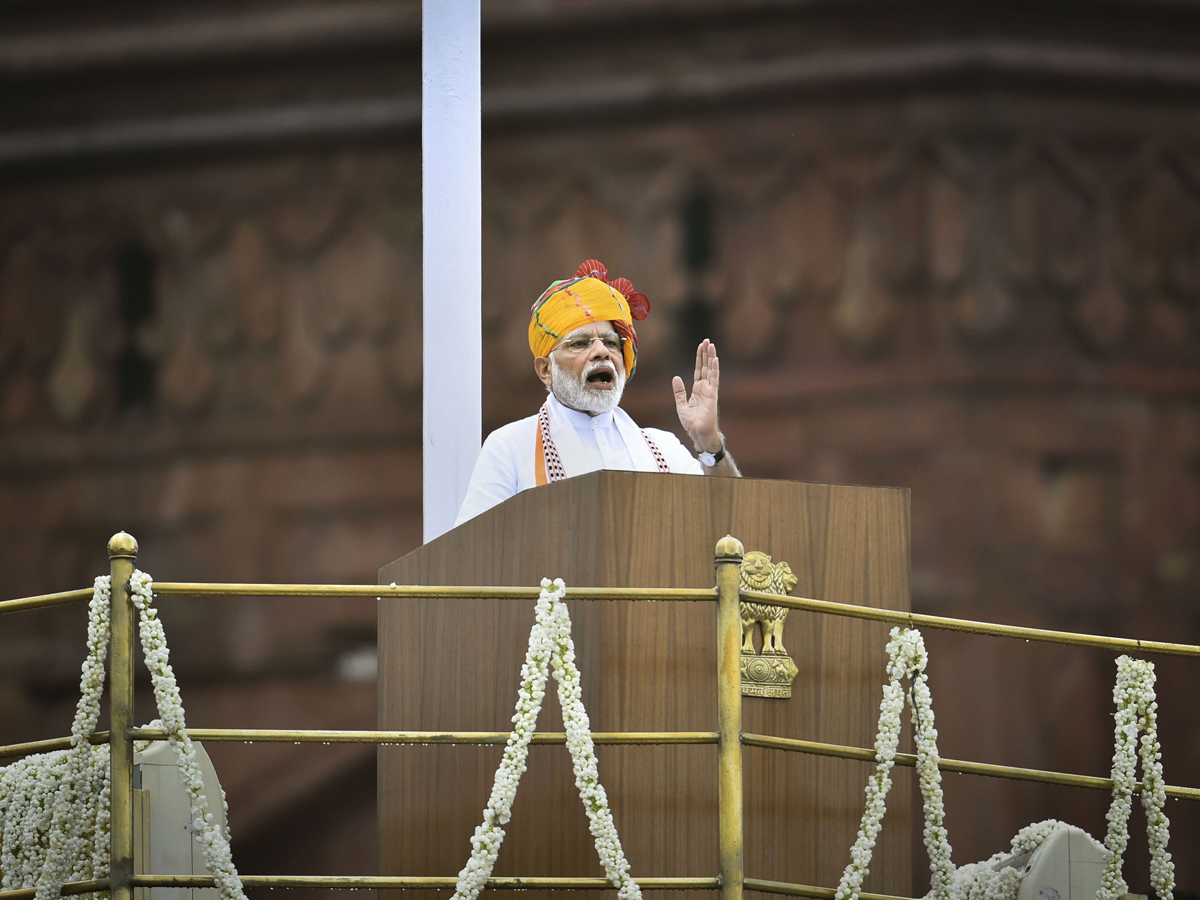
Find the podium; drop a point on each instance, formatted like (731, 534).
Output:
(453, 665)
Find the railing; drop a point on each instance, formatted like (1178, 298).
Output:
(730, 881)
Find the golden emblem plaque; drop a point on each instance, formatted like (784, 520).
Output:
(770, 672)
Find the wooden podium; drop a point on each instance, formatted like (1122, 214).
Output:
(453, 665)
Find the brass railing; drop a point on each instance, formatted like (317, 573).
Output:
(730, 881)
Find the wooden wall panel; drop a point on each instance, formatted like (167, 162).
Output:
(645, 666)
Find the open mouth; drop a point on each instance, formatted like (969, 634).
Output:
(603, 379)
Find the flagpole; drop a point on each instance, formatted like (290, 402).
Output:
(451, 257)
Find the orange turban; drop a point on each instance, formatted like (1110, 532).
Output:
(588, 297)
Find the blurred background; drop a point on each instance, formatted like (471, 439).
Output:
(948, 246)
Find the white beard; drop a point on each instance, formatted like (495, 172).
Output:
(577, 394)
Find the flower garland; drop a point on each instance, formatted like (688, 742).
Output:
(988, 880)
(583, 758)
(54, 831)
(56, 807)
(906, 658)
(992, 880)
(1137, 708)
(30, 793)
(214, 841)
(550, 644)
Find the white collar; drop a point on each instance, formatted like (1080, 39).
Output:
(581, 420)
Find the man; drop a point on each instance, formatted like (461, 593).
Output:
(584, 348)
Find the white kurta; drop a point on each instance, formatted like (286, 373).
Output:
(585, 443)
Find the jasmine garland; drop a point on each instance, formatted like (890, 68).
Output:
(214, 841)
(1137, 708)
(55, 828)
(550, 644)
(906, 659)
(56, 806)
(988, 880)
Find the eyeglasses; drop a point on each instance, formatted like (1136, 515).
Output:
(613, 343)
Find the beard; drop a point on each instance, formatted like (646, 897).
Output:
(576, 393)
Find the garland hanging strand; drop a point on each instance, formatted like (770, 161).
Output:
(214, 841)
(583, 758)
(485, 843)
(549, 644)
(906, 659)
(1137, 708)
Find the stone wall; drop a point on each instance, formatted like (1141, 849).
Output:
(980, 283)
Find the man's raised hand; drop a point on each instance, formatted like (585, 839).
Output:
(698, 413)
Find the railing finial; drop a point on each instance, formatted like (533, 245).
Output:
(730, 547)
(122, 546)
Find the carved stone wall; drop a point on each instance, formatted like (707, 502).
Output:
(982, 287)
(279, 441)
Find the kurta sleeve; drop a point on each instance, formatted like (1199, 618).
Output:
(494, 479)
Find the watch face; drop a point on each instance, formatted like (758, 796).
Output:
(708, 459)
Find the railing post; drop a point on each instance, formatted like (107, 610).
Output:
(122, 554)
(729, 715)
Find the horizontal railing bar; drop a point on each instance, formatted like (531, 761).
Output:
(100, 737)
(470, 592)
(956, 765)
(805, 890)
(913, 620)
(43, 600)
(310, 736)
(421, 882)
(71, 887)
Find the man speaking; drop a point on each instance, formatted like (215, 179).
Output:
(584, 348)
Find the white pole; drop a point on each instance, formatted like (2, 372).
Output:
(451, 256)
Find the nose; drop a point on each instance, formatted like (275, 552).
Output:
(597, 350)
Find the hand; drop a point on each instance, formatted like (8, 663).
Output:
(698, 413)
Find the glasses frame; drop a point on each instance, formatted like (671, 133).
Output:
(565, 344)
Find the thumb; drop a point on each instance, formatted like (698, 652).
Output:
(680, 392)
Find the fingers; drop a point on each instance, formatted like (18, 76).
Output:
(705, 354)
(706, 362)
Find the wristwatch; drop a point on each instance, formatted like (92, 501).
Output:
(711, 459)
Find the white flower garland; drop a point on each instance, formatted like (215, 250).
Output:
(906, 659)
(988, 880)
(31, 794)
(56, 807)
(985, 880)
(549, 644)
(54, 830)
(1137, 708)
(214, 841)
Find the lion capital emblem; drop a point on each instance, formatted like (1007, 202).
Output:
(768, 673)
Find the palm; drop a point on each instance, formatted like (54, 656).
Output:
(698, 411)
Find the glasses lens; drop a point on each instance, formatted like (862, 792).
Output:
(612, 343)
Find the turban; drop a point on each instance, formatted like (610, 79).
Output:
(588, 297)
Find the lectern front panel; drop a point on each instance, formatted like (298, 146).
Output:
(454, 665)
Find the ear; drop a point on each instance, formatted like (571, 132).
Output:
(541, 367)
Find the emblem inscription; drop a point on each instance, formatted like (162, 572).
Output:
(768, 673)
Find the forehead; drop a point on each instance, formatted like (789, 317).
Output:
(592, 329)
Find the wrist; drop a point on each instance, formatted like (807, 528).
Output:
(712, 454)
